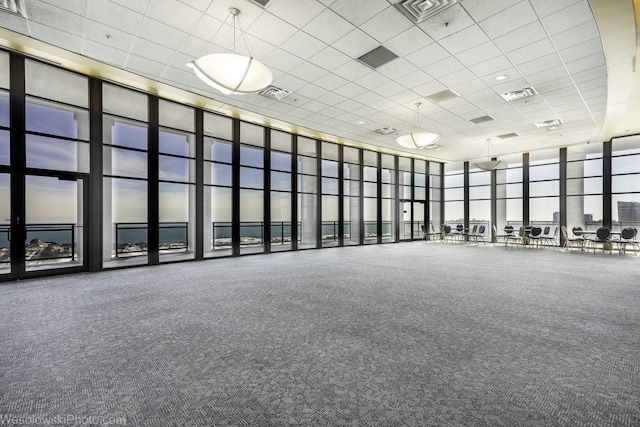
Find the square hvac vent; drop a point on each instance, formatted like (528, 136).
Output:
(508, 135)
(421, 10)
(442, 95)
(13, 6)
(549, 123)
(261, 3)
(386, 130)
(377, 57)
(518, 94)
(274, 92)
(482, 119)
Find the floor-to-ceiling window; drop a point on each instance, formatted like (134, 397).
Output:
(454, 193)
(281, 191)
(419, 198)
(370, 191)
(251, 188)
(435, 197)
(176, 162)
(330, 194)
(307, 193)
(388, 196)
(5, 161)
(480, 201)
(625, 183)
(544, 189)
(351, 199)
(125, 184)
(405, 197)
(584, 186)
(509, 192)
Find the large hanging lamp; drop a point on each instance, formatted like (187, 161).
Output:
(489, 165)
(232, 73)
(417, 139)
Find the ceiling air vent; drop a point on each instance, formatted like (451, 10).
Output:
(442, 96)
(508, 135)
(377, 57)
(274, 92)
(549, 123)
(261, 3)
(420, 10)
(386, 130)
(13, 6)
(518, 94)
(482, 119)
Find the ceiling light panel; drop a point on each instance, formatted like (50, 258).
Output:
(518, 94)
(442, 96)
(549, 123)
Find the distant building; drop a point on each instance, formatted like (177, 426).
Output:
(628, 212)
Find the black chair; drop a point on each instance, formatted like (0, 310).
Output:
(576, 241)
(628, 237)
(479, 235)
(602, 237)
(517, 239)
(446, 232)
(535, 235)
(549, 240)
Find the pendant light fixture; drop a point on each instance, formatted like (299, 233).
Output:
(229, 72)
(418, 139)
(489, 165)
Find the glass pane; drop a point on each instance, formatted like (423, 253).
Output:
(453, 194)
(625, 183)
(404, 164)
(219, 224)
(626, 164)
(388, 161)
(370, 189)
(454, 212)
(4, 70)
(69, 87)
(175, 169)
(480, 178)
(176, 231)
(4, 108)
(281, 181)
(351, 155)
(251, 134)
(251, 217)
(544, 210)
(453, 181)
(419, 193)
(218, 151)
(280, 207)
(306, 165)
(420, 166)
(307, 217)
(544, 172)
(124, 133)
(125, 162)
(5, 147)
(251, 178)
(370, 158)
(181, 144)
(251, 156)
(280, 141)
(482, 192)
(220, 174)
(176, 116)
(329, 168)
(57, 154)
(57, 119)
(370, 174)
(330, 186)
(306, 146)
(5, 224)
(329, 151)
(420, 180)
(387, 176)
(174, 202)
(280, 161)
(124, 102)
(218, 126)
(545, 188)
(626, 210)
(351, 171)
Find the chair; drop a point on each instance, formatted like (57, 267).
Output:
(570, 242)
(628, 237)
(479, 234)
(549, 240)
(426, 235)
(603, 237)
(535, 234)
(459, 231)
(497, 238)
(516, 239)
(508, 231)
(446, 233)
(471, 235)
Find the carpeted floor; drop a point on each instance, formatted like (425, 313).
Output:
(411, 334)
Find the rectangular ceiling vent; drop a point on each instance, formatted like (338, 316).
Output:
(13, 6)
(482, 119)
(377, 57)
(442, 96)
(549, 123)
(508, 135)
(261, 3)
(420, 10)
(274, 92)
(518, 94)
(385, 130)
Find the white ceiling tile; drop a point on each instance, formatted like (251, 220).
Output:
(137, 6)
(446, 23)
(356, 43)
(588, 48)
(349, 90)
(150, 50)
(428, 55)
(481, 10)
(307, 71)
(108, 36)
(565, 19)
(594, 73)
(444, 67)
(359, 11)
(331, 81)
(466, 87)
(349, 105)
(352, 70)
(47, 14)
(386, 25)
(548, 62)
(553, 85)
(329, 58)
(521, 37)
(55, 36)
(478, 53)
(207, 27)
(271, 29)
(249, 11)
(405, 97)
(546, 75)
(372, 80)
(576, 35)
(587, 63)
(200, 5)
(162, 34)
(104, 53)
(282, 60)
(303, 45)
(296, 12)
(331, 98)
(258, 48)
(176, 75)
(491, 67)
(329, 27)
(513, 18)
(397, 68)
(414, 79)
(463, 40)
(315, 106)
(146, 67)
(458, 77)
(429, 88)
(311, 91)
(389, 89)
(114, 16)
(166, 11)
(547, 7)
(408, 41)
(533, 51)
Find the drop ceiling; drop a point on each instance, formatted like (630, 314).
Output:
(576, 56)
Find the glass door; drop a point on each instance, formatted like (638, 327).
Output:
(5, 225)
(412, 213)
(54, 226)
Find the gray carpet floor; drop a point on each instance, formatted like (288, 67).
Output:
(410, 334)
